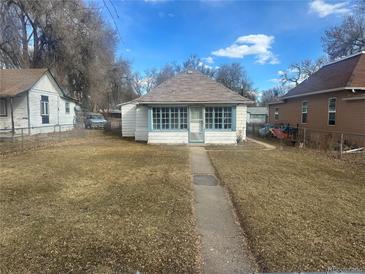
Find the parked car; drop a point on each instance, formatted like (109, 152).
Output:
(94, 120)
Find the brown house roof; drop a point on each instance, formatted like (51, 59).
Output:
(344, 74)
(191, 87)
(16, 81)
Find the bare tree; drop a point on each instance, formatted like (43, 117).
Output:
(234, 77)
(271, 95)
(68, 37)
(298, 72)
(347, 38)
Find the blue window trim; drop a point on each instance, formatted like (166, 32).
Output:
(233, 126)
(150, 118)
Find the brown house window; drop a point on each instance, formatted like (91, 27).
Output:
(3, 108)
(332, 111)
(304, 112)
(276, 114)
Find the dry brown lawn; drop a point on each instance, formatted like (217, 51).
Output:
(98, 204)
(301, 210)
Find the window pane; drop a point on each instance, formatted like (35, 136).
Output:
(174, 118)
(209, 117)
(165, 118)
(183, 118)
(227, 117)
(304, 107)
(218, 117)
(2, 107)
(332, 105)
(332, 118)
(156, 118)
(304, 118)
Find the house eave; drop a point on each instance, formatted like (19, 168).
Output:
(194, 102)
(322, 91)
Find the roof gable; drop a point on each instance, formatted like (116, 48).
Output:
(16, 81)
(346, 73)
(191, 87)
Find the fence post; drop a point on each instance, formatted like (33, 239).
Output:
(341, 146)
(59, 132)
(22, 132)
(304, 136)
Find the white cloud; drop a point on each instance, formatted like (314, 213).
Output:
(323, 9)
(258, 45)
(209, 60)
(128, 50)
(201, 64)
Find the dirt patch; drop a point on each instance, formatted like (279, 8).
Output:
(301, 210)
(99, 204)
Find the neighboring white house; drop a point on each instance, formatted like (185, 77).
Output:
(32, 101)
(188, 108)
(257, 115)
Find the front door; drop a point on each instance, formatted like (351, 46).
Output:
(196, 125)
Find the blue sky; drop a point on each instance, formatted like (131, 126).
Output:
(264, 36)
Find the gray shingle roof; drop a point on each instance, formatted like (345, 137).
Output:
(191, 87)
(258, 110)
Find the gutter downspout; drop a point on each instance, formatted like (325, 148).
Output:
(12, 116)
(28, 112)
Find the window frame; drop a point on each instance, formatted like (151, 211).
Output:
(169, 116)
(302, 112)
(212, 126)
(44, 109)
(330, 112)
(276, 114)
(5, 102)
(67, 108)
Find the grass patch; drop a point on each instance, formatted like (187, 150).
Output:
(99, 205)
(302, 211)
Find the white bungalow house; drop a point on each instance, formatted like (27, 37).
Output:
(188, 108)
(32, 101)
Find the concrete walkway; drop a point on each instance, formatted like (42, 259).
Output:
(224, 248)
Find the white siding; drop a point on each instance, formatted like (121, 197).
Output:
(241, 117)
(20, 113)
(128, 120)
(220, 137)
(141, 133)
(46, 86)
(168, 137)
(57, 112)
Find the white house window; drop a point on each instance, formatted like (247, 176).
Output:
(305, 112)
(67, 107)
(218, 118)
(276, 114)
(44, 110)
(169, 118)
(332, 111)
(3, 108)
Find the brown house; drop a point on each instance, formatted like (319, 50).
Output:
(332, 99)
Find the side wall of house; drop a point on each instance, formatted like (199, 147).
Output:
(350, 115)
(241, 121)
(56, 105)
(141, 133)
(20, 113)
(128, 120)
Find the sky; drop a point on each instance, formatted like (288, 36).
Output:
(264, 36)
